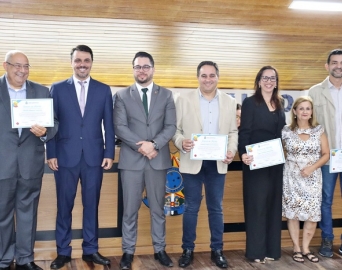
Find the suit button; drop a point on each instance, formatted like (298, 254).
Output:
(81, 138)
(148, 125)
(19, 144)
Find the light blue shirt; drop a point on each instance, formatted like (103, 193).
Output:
(16, 94)
(210, 114)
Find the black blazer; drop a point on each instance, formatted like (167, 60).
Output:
(258, 124)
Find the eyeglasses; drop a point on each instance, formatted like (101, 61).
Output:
(238, 117)
(19, 66)
(272, 79)
(144, 68)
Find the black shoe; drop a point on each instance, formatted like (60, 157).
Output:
(219, 259)
(60, 261)
(126, 261)
(5, 268)
(28, 266)
(186, 258)
(163, 258)
(96, 258)
(340, 250)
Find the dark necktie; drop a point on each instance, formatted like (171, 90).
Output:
(144, 100)
(82, 97)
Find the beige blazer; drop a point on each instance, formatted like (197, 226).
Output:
(324, 109)
(189, 121)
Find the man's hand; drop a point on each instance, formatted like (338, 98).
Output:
(187, 145)
(229, 158)
(145, 148)
(39, 131)
(107, 163)
(152, 155)
(53, 164)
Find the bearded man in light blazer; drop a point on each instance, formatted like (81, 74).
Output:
(145, 121)
(327, 100)
(204, 111)
(22, 156)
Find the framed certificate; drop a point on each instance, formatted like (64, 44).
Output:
(335, 165)
(209, 147)
(28, 112)
(266, 154)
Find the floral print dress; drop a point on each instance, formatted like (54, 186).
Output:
(302, 196)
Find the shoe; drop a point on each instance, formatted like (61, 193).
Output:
(28, 266)
(311, 257)
(186, 258)
(60, 261)
(298, 257)
(326, 249)
(259, 261)
(96, 258)
(340, 250)
(219, 259)
(126, 261)
(163, 258)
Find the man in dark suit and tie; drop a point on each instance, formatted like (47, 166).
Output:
(145, 121)
(22, 155)
(79, 151)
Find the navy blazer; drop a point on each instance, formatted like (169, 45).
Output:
(77, 134)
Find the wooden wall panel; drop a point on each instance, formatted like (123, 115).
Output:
(241, 36)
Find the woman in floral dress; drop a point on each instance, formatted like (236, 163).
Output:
(307, 150)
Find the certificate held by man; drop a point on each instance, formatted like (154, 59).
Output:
(209, 147)
(28, 112)
(266, 154)
(335, 161)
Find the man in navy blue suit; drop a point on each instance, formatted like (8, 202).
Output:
(79, 151)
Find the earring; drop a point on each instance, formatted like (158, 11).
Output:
(295, 116)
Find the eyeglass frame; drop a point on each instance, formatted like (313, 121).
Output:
(144, 68)
(266, 78)
(19, 66)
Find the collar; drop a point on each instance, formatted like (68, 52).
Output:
(23, 87)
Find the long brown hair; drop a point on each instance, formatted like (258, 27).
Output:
(276, 99)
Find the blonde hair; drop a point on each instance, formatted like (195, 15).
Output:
(312, 121)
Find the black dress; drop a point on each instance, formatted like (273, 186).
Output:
(262, 188)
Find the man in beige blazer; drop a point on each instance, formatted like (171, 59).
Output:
(327, 99)
(204, 111)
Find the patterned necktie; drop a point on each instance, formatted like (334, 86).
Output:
(144, 100)
(82, 97)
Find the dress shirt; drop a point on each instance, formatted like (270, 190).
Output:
(148, 93)
(78, 87)
(210, 114)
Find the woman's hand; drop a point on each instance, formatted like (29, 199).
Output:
(247, 159)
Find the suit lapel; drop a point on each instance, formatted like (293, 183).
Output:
(196, 103)
(30, 93)
(136, 97)
(222, 110)
(326, 91)
(4, 95)
(73, 95)
(154, 95)
(90, 96)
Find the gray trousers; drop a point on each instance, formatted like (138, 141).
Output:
(133, 184)
(18, 197)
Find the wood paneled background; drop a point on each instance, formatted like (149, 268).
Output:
(241, 36)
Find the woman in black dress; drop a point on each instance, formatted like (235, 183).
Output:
(262, 119)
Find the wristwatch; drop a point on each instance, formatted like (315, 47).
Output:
(155, 145)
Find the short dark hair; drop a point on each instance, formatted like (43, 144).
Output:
(238, 106)
(207, 63)
(143, 54)
(82, 48)
(333, 52)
